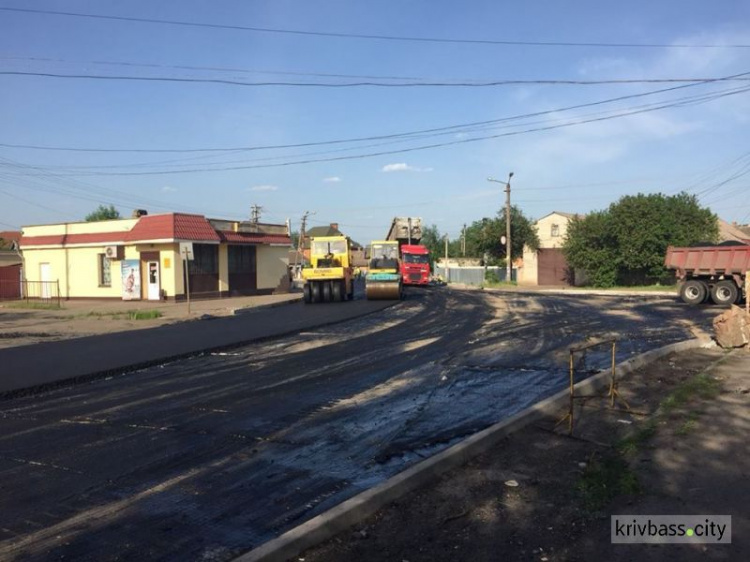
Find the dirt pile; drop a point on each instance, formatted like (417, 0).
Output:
(732, 328)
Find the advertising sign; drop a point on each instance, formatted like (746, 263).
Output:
(131, 280)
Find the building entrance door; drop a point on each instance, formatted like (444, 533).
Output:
(154, 287)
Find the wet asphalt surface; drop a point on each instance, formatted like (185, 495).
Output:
(208, 457)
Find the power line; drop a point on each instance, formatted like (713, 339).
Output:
(376, 36)
(370, 84)
(455, 128)
(693, 101)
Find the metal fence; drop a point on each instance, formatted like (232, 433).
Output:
(472, 275)
(44, 291)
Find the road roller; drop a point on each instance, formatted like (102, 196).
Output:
(383, 279)
(330, 276)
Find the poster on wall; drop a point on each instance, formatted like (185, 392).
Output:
(131, 280)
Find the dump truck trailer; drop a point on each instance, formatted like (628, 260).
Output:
(330, 275)
(383, 280)
(717, 273)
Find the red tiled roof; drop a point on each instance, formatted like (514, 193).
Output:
(250, 238)
(173, 226)
(14, 235)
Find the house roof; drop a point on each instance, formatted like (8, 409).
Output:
(728, 231)
(70, 239)
(328, 230)
(566, 215)
(9, 238)
(253, 238)
(173, 226)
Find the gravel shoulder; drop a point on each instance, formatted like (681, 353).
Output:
(542, 495)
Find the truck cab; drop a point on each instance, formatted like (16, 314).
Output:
(415, 264)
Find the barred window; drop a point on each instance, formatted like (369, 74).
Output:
(105, 271)
(205, 259)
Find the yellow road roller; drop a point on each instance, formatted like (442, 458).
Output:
(383, 279)
(330, 275)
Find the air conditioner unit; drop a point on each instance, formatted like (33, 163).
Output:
(114, 252)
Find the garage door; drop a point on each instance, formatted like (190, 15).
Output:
(553, 269)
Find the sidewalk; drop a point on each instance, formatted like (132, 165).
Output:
(542, 495)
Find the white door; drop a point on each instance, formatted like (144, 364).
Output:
(153, 281)
(45, 276)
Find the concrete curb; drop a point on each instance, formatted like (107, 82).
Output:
(361, 506)
(588, 292)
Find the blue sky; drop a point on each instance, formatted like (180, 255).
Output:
(700, 146)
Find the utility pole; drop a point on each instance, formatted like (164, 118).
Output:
(463, 241)
(447, 275)
(255, 213)
(508, 256)
(300, 240)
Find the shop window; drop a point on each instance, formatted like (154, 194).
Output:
(105, 271)
(205, 259)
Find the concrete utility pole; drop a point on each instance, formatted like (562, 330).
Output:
(255, 214)
(508, 256)
(463, 241)
(301, 238)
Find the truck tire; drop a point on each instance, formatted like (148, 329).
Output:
(725, 293)
(306, 294)
(338, 291)
(326, 291)
(315, 291)
(693, 292)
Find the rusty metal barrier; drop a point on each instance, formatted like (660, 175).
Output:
(613, 393)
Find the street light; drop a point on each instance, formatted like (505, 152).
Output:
(508, 257)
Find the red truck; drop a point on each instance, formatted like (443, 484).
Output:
(718, 273)
(415, 264)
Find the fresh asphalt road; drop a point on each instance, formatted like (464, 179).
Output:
(207, 457)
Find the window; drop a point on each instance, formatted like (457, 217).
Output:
(205, 259)
(105, 271)
(241, 259)
(555, 230)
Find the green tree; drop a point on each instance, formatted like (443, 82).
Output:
(103, 213)
(485, 236)
(433, 241)
(626, 243)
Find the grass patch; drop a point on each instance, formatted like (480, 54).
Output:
(672, 288)
(701, 386)
(689, 424)
(144, 314)
(37, 305)
(604, 479)
(126, 315)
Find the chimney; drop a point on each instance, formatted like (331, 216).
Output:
(335, 225)
(138, 213)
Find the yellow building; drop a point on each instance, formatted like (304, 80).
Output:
(547, 265)
(143, 258)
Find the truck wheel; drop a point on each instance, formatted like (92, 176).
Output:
(338, 291)
(306, 294)
(725, 293)
(326, 291)
(693, 292)
(315, 292)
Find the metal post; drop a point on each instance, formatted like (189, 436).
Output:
(572, 396)
(613, 389)
(185, 266)
(509, 257)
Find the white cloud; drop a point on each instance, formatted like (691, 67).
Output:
(264, 188)
(168, 189)
(403, 167)
(332, 179)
